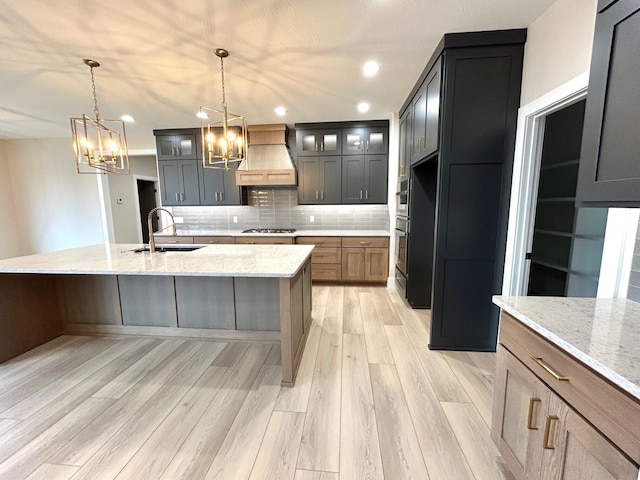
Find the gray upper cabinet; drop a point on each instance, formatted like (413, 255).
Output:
(425, 116)
(175, 147)
(364, 179)
(218, 187)
(318, 142)
(609, 172)
(179, 182)
(372, 140)
(319, 180)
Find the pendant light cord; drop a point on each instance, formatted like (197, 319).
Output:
(95, 97)
(224, 98)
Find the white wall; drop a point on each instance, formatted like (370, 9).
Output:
(55, 207)
(558, 47)
(125, 220)
(10, 245)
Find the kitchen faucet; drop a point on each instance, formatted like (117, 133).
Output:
(152, 241)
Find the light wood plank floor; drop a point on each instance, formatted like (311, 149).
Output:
(371, 402)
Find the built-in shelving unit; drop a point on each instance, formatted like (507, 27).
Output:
(567, 242)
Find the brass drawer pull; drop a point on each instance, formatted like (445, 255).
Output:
(532, 402)
(365, 243)
(547, 432)
(546, 366)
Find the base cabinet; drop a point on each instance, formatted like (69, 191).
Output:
(540, 434)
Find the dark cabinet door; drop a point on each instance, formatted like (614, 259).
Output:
(230, 194)
(353, 179)
(418, 123)
(432, 115)
(425, 118)
(319, 142)
(404, 160)
(190, 194)
(609, 167)
(210, 185)
(375, 188)
(308, 180)
(331, 180)
(356, 141)
(169, 183)
(174, 147)
(218, 187)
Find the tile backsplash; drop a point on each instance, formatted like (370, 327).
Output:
(277, 207)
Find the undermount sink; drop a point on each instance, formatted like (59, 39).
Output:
(169, 248)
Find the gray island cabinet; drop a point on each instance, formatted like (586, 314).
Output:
(225, 292)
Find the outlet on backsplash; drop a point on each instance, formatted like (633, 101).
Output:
(235, 219)
(312, 218)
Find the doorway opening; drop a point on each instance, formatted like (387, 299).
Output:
(567, 242)
(146, 202)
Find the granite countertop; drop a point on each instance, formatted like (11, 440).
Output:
(298, 233)
(604, 334)
(282, 261)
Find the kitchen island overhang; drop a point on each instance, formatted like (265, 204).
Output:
(226, 292)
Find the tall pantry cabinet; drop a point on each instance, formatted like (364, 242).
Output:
(463, 114)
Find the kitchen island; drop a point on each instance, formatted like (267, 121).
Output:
(228, 292)
(567, 388)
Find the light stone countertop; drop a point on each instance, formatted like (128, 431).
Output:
(298, 233)
(282, 261)
(604, 334)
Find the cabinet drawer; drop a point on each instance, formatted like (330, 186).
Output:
(329, 272)
(379, 242)
(173, 239)
(265, 240)
(320, 241)
(326, 255)
(600, 402)
(214, 240)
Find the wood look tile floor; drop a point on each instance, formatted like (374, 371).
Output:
(370, 402)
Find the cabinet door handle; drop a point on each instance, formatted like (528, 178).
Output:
(316, 195)
(322, 195)
(549, 369)
(222, 196)
(532, 402)
(366, 194)
(251, 243)
(322, 146)
(316, 146)
(547, 432)
(182, 196)
(360, 194)
(216, 196)
(367, 146)
(365, 243)
(177, 197)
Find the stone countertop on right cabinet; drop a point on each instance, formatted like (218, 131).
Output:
(604, 334)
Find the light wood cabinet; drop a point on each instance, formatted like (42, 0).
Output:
(365, 259)
(540, 432)
(265, 240)
(215, 240)
(326, 259)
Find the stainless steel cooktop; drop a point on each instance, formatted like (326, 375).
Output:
(269, 230)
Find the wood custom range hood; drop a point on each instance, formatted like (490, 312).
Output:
(268, 161)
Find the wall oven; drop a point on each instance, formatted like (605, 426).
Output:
(401, 230)
(403, 198)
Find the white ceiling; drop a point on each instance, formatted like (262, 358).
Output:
(158, 63)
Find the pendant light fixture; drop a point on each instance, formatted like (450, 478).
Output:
(99, 145)
(224, 134)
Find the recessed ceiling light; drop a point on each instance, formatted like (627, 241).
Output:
(363, 107)
(127, 118)
(280, 110)
(202, 115)
(370, 68)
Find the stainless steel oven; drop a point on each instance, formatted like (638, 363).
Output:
(401, 230)
(403, 198)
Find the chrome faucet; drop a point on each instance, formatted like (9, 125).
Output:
(152, 241)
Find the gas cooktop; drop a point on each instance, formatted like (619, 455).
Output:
(269, 230)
